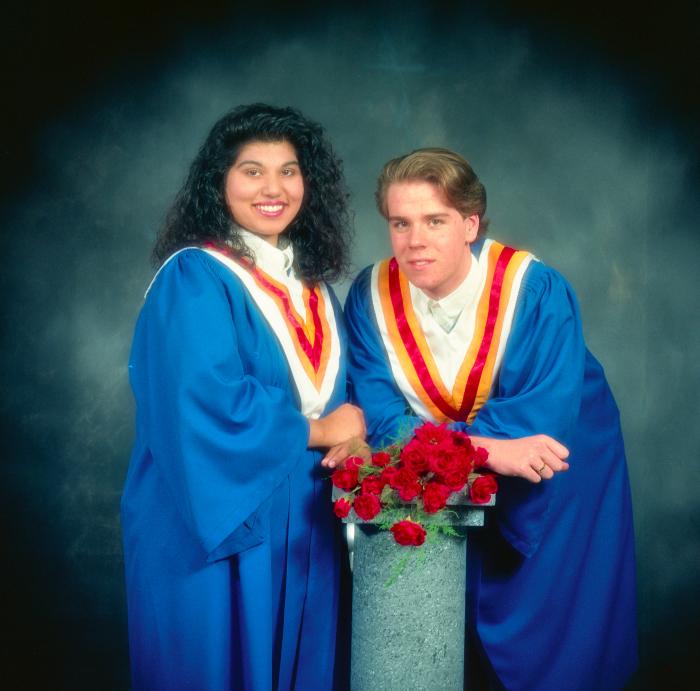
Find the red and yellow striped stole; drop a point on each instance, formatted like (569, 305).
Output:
(311, 335)
(475, 376)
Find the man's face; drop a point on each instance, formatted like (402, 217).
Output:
(430, 239)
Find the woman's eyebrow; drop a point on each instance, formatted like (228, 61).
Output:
(257, 163)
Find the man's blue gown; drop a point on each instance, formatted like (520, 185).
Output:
(552, 576)
(231, 547)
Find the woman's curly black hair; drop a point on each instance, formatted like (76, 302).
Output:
(321, 231)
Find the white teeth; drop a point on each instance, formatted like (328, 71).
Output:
(270, 208)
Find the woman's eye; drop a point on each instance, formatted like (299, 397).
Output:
(288, 172)
(252, 172)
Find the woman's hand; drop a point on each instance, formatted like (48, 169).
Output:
(533, 458)
(338, 454)
(343, 423)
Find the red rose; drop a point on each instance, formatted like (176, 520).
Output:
(410, 492)
(374, 484)
(462, 440)
(389, 472)
(341, 508)
(381, 459)
(444, 458)
(405, 481)
(456, 474)
(428, 433)
(354, 462)
(346, 478)
(482, 488)
(367, 506)
(455, 481)
(481, 455)
(415, 456)
(435, 497)
(408, 533)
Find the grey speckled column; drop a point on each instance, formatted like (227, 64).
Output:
(409, 635)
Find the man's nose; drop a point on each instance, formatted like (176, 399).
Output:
(416, 236)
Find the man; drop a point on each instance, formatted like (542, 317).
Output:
(461, 329)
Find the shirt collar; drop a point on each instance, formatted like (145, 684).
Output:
(276, 261)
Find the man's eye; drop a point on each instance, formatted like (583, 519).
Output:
(400, 225)
(436, 221)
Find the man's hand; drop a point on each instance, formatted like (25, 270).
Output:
(533, 458)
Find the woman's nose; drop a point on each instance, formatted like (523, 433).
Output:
(271, 187)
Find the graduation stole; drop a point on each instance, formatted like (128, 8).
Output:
(306, 341)
(411, 360)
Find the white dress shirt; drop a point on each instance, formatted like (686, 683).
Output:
(448, 323)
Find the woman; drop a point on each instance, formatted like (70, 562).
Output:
(238, 372)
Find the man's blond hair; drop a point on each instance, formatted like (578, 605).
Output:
(451, 173)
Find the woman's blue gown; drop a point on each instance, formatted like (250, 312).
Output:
(231, 548)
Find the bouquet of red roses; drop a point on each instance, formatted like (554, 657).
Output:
(426, 472)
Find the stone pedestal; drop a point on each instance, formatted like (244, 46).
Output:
(410, 635)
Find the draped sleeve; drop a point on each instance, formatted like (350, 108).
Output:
(221, 440)
(538, 391)
(389, 417)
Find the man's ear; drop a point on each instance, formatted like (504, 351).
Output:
(471, 226)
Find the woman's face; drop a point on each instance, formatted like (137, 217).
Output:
(265, 188)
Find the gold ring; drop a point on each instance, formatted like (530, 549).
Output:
(544, 465)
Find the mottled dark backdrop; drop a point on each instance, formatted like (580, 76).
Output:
(582, 120)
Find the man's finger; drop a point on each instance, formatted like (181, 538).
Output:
(532, 475)
(559, 449)
(553, 461)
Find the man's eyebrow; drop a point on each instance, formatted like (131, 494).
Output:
(428, 215)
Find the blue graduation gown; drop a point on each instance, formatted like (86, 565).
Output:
(552, 596)
(231, 548)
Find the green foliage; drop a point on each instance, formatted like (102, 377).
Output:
(403, 435)
(416, 557)
(391, 515)
(397, 569)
